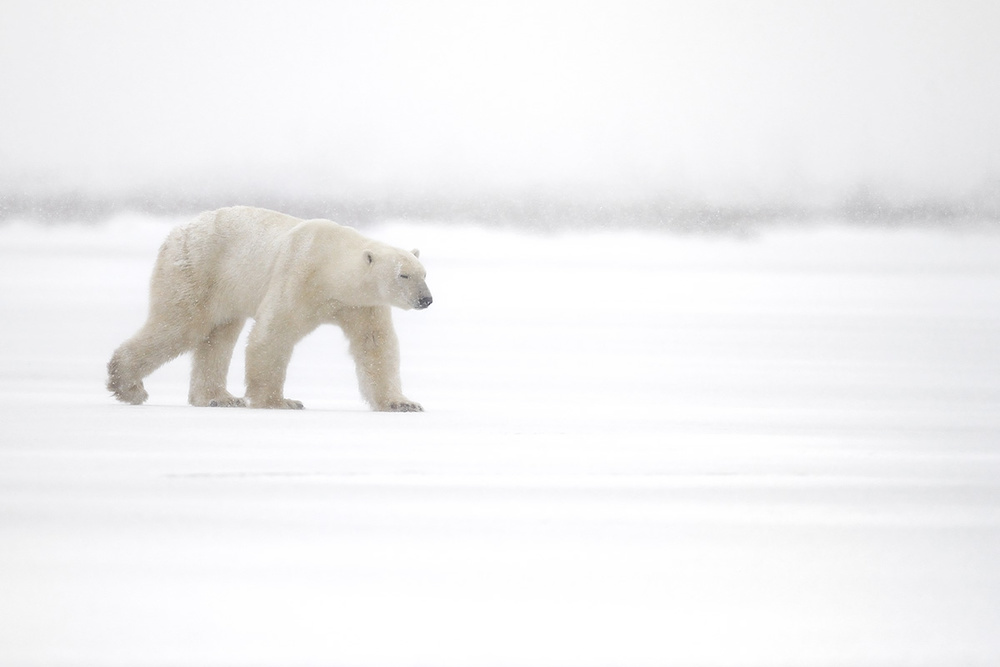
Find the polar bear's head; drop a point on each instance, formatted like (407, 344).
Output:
(399, 277)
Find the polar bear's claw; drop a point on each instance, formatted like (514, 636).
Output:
(407, 406)
(231, 402)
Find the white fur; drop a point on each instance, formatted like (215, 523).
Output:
(290, 276)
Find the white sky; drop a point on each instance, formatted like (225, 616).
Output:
(708, 99)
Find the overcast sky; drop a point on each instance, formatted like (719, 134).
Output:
(718, 100)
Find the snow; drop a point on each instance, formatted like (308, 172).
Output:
(639, 449)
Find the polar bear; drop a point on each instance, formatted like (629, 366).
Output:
(290, 276)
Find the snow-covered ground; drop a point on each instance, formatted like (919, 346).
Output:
(638, 449)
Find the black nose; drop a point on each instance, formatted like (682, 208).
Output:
(424, 302)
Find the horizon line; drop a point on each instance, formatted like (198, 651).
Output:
(535, 209)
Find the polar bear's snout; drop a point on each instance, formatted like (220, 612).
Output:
(421, 295)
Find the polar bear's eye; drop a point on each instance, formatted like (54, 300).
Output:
(404, 276)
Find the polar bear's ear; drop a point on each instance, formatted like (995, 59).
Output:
(369, 256)
(416, 253)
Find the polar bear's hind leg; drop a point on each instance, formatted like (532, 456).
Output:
(150, 348)
(210, 367)
(122, 381)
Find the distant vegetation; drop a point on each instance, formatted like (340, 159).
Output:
(524, 210)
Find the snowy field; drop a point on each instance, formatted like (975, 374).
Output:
(638, 450)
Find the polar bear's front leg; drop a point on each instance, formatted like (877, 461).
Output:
(269, 349)
(375, 348)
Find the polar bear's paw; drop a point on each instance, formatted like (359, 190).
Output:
(228, 402)
(216, 399)
(277, 404)
(404, 406)
(135, 394)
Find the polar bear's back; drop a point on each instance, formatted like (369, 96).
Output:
(238, 226)
(223, 259)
